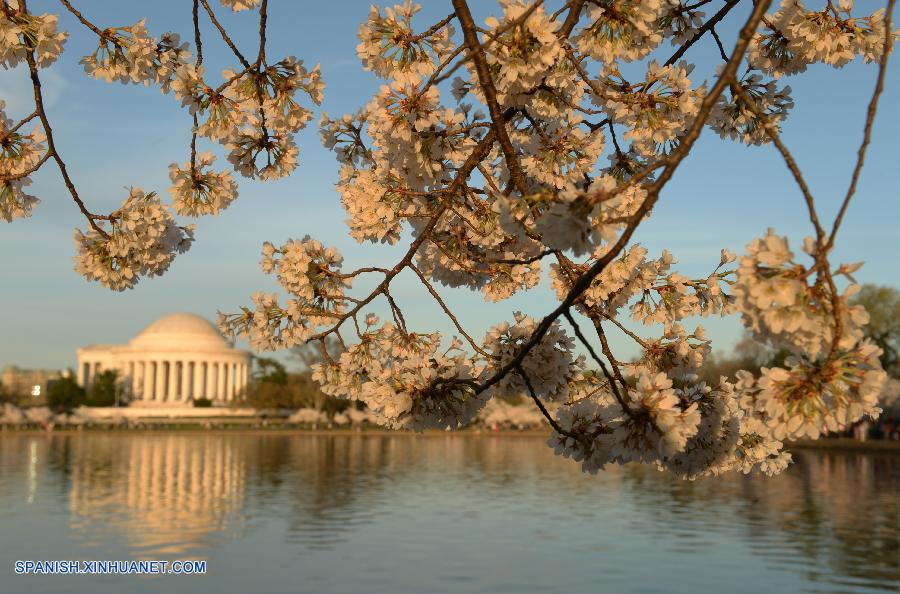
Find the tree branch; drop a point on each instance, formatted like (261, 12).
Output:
(870, 121)
(486, 82)
(671, 164)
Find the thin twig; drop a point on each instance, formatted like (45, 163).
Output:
(772, 132)
(541, 406)
(719, 44)
(21, 123)
(671, 164)
(100, 32)
(224, 34)
(447, 311)
(600, 363)
(486, 82)
(195, 14)
(709, 24)
(870, 121)
(48, 132)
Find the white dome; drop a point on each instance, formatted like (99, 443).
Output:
(180, 331)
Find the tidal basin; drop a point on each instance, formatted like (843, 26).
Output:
(376, 512)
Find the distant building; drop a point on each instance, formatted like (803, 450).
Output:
(28, 382)
(175, 360)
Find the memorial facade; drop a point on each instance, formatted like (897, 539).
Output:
(174, 361)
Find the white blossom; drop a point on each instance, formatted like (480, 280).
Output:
(197, 192)
(240, 5)
(255, 152)
(142, 239)
(656, 110)
(733, 118)
(388, 45)
(306, 269)
(620, 30)
(405, 380)
(781, 301)
(548, 366)
(20, 153)
(38, 29)
(806, 400)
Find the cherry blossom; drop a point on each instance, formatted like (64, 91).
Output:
(535, 141)
(142, 239)
(197, 192)
(39, 31)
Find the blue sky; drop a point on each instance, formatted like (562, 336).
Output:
(113, 136)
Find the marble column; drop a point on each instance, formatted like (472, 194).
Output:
(190, 392)
(220, 384)
(137, 381)
(229, 385)
(129, 379)
(185, 381)
(147, 393)
(160, 385)
(172, 386)
(200, 379)
(210, 381)
(244, 367)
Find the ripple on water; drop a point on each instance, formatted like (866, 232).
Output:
(381, 512)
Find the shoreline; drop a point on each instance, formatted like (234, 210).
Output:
(836, 444)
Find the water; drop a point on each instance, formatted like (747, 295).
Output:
(382, 513)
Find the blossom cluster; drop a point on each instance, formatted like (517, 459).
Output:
(22, 32)
(587, 221)
(655, 424)
(254, 113)
(404, 379)
(794, 37)
(20, 154)
(621, 30)
(656, 110)
(307, 269)
(407, 166)
(388, 45)
(130, 55)
(547, 368)
(806, 399)
(141, 239)
(734, 118)
(785, 302)
(311, 273)
(552, 161)
(240, 5)
(197, 192)
(692, 431)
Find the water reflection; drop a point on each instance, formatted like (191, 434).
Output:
(832, 523)
(165, 494)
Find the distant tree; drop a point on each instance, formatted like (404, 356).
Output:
(270, 371)
(273, 386)
(309, 354)
(103, 389)
(65, 394)
(883, 305)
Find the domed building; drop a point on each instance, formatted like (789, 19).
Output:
(173, 361)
